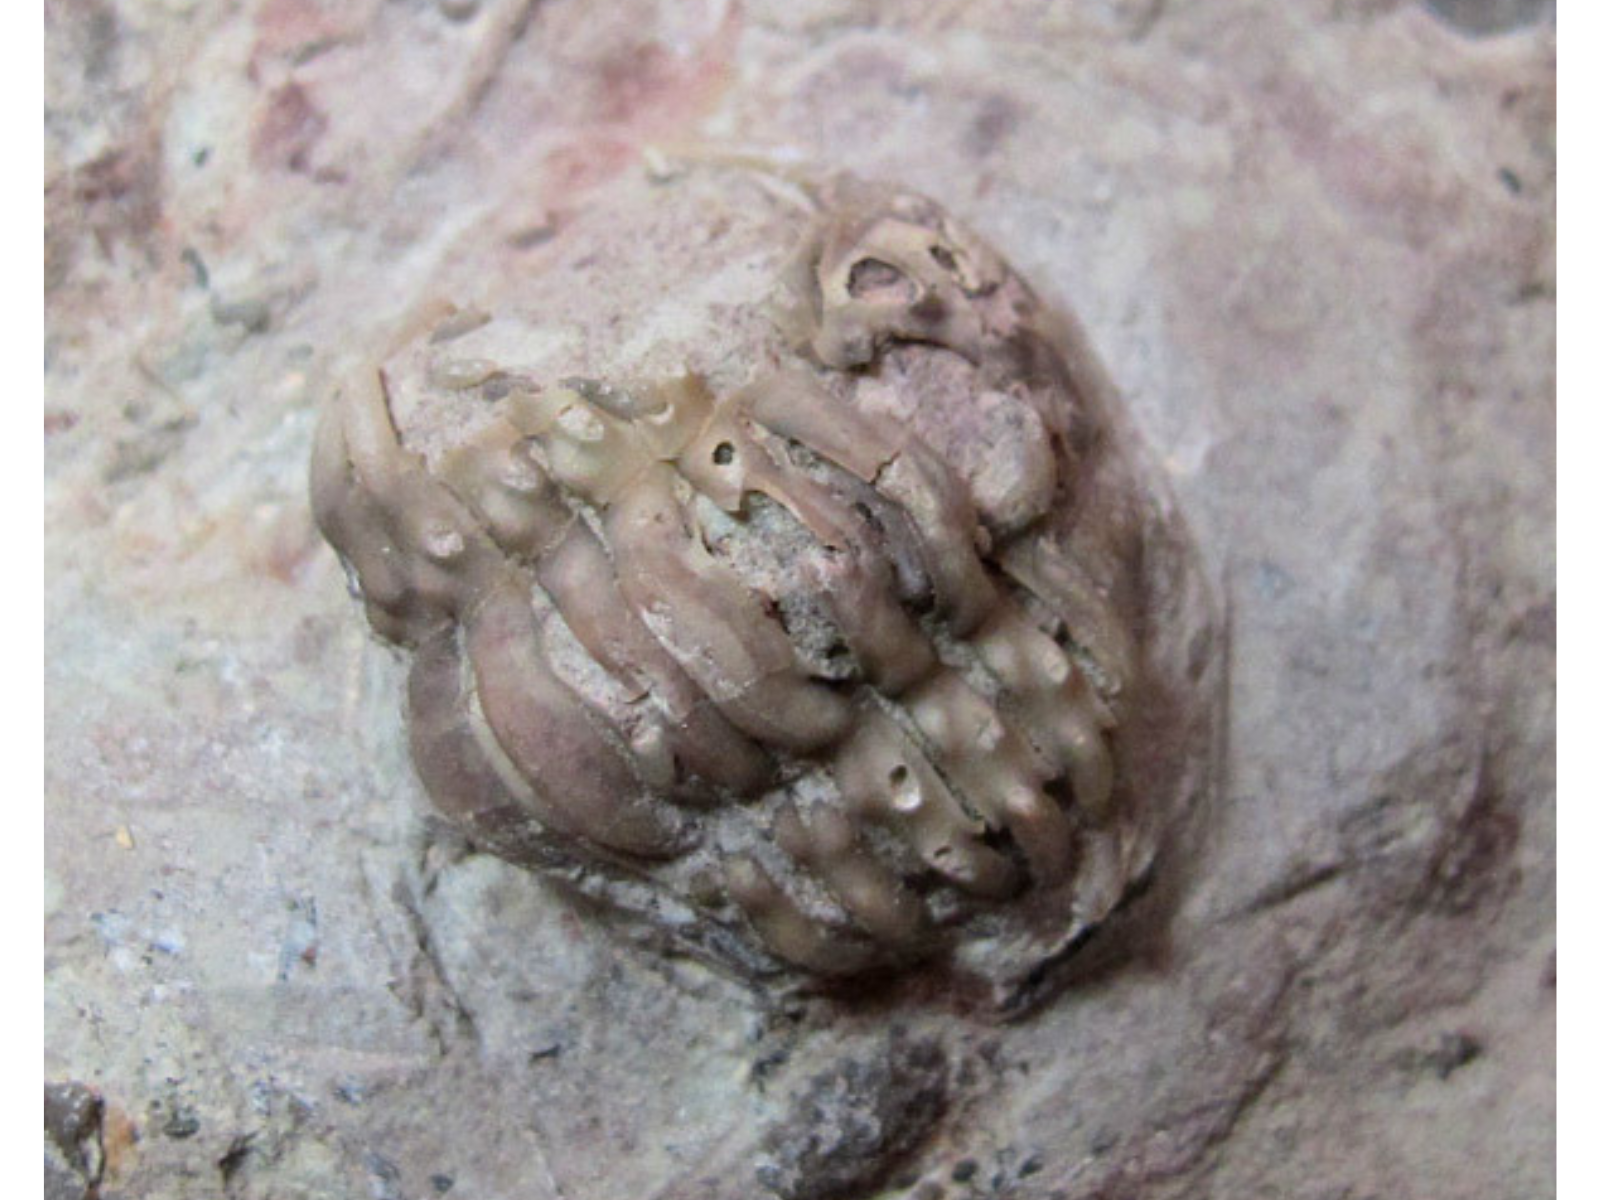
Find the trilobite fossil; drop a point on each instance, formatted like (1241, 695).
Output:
(808, 605)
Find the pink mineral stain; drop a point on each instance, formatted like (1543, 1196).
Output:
(288, 130)
(642, 93)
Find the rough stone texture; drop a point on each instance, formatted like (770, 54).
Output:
(851, 1124)
(1313, 243)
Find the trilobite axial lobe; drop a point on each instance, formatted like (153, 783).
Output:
(834, 683)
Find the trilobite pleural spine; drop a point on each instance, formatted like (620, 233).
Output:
(836, 619)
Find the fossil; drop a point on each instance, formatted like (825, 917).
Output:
(815, 612)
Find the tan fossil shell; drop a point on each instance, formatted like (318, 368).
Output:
(841, 631)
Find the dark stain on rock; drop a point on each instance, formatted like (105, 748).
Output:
(233, 1158)
(1485, 18)
(288, 130)
(91, 30)
(1535, 624)
(147, 449)
(181, 1123)
(630, 78)
(1448, 1054)
(252, 314)
(997, 118)
(197, 265)
(1467, 868)
(115, 198)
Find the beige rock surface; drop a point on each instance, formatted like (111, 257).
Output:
(1314, 245)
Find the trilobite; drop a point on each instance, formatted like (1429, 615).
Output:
(826, 621)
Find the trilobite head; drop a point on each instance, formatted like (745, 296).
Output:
(813, 609)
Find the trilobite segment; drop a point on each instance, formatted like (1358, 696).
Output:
(777, 641)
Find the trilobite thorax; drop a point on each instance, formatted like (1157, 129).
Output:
(833, 624)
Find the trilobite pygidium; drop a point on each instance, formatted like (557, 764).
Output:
(837, 661)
